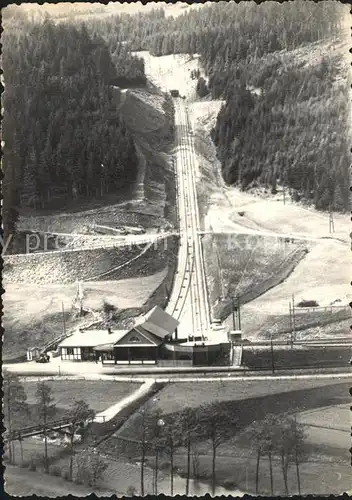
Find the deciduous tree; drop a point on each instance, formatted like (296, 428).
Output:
(80, 415)
(46, 411)
(15, 406)
(217, 424)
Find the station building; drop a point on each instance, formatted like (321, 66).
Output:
(153, 340)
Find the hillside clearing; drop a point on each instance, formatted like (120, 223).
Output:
(319, 276)
(246, 265)
(172, 71)
(272, 215)
(33, 313)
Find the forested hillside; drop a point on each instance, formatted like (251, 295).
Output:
(64, 138)
(293, 129)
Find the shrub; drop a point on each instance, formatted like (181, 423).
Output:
(308, 303)
(24, 464)
(32, 466)
(131, 491)
(164, 465)
(182, 473)
(65, 475)
(55, 470)
(296, 196)
(229, 484)
(108, 308)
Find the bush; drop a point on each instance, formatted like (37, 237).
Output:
(229, 484)
(164, 465)
(182, 473)
(24, 464)
(32, 466)
(296, 196)
(131, 491)
(65, 475)
(55, 470)
(308, 303)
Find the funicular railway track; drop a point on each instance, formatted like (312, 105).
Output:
(189, 292)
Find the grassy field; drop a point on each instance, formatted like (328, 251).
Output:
(249, 400)
(314, 401)
(319, 276)
(22, 482)
(328, 428)
(175, 396)
(99, 394)
(319, 323)
(319, 477)
(246, 265)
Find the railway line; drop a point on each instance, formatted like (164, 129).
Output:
(189, 300)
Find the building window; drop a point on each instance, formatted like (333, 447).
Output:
(135, 339)
(70, 350)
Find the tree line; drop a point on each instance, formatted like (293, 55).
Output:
(277, 437)
(83, 467)
(160, 437)
(292, 132)
(64, 138)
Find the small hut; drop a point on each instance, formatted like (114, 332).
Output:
(33, 353)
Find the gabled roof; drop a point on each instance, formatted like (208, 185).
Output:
(92, 338)
(158, 322)
(153, 338)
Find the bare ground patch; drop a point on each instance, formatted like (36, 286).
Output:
(247, 266)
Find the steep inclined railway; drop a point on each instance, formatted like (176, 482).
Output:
(189, 301)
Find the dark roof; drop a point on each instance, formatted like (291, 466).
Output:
(158, 322)
(153, 338)
(104, 347)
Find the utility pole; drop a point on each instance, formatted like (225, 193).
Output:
(331, 220)
(291, 325)
(272, 354)
(296, 459)
(239, 313)
(233, 313)
(293, 318)
(63, 317)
